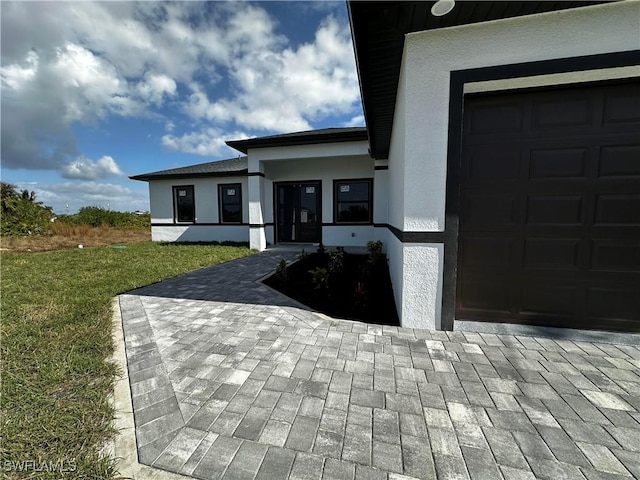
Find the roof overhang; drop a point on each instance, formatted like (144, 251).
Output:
(172, 176)
(312, 137)
(378, 30)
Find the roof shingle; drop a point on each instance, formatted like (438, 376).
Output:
(219, 168)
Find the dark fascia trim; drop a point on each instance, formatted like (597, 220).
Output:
(454, 148)
(546, 67)
(285, 141)
(147, 178)
(381, 167)
(255, 174)
(348, 224)
(185, 224)
(416, 237)
(261, 225)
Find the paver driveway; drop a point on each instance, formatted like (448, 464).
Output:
(231, 380)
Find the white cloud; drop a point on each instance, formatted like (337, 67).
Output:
(208, 142)
(65, 63)
(93, 85)
(283, 90)
(155, 87)
(85, 169)
(357, 121)
(16, 76)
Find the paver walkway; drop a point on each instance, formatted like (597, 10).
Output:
(231, 380)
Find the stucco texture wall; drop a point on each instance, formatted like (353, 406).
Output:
(205, 193)
(418, 153)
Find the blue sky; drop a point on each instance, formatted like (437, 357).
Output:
(94, 92)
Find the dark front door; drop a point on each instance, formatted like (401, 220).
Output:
(298, 213)
(550, 208)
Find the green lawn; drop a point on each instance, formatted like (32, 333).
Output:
(56, 334)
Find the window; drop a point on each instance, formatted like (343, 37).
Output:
(353, 201)
(184, 204)
(230, 200)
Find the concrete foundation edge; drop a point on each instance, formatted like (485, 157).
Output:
(596, 336)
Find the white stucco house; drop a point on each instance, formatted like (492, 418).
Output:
(500, 166)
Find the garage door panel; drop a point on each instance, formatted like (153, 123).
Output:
(476, 294)
(552, 253)
(549, 225)
(555, 209)
(618, 304)
(563, 113)
(549, 299)
(487, 164)
(615, 255)
(622, 105)
(502, 118)
(558, 163)
(491, 209)
(617, 209)
(619, 161)
(481, 252)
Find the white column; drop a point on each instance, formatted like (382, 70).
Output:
(257, 238)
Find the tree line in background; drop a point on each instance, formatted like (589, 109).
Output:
(22, 215)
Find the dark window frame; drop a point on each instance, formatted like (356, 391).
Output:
(238, 187)
(336, 202)
(176, 218)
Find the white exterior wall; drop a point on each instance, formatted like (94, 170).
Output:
(323, 162)
(418, 153)
(207, 211)
(326, 170)
(200, 233)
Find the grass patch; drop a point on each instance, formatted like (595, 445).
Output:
(56, 334)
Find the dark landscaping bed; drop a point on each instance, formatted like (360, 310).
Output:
(342, 285)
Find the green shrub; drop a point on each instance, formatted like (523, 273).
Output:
(21, 214)
(375, 251)
(336, 261)
(97, 216)
(281, 270)
(320, 279)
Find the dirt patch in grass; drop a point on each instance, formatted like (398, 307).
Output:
(64, 236)
(56, 334)
(354, 287)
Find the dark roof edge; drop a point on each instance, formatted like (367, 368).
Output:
(291, 140)
(367, 118)
(168, 176)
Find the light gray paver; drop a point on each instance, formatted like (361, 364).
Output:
(180, 449)
(307, 467)
(217, 459)
(302, 434)
(246, 462)
(337, 470)
(602, 458)
(276, 464)
(230, 379)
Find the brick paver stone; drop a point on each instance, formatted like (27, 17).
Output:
(232, 380)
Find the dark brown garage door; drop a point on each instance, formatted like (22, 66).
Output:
(550, 208)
